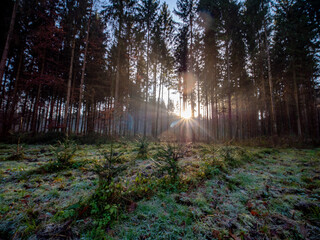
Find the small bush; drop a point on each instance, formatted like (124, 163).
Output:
(107, 171)
(143, 148)
(17, 154)
(227, 154)
(142, 187)
(245, 155)
(168, 162)
(212, 166)
(64, 152)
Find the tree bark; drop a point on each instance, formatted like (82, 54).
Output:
(296, 98)
(66, 110)
(83, 73)
(7, 44)
(273, 109)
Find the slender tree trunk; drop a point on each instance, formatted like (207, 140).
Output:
(14, 95)
(229, 91)
(154, 100)
(192, 75)
(83, 72)
(161, 108)
(296, 98)
(199, 127)
(35, 110)
(158, 104)
(168, 109)
(116, 95)
(66, 112)
(7, 44)
(3, 87)
(273, 109)
(147, 87)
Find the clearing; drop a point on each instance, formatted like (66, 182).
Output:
(220, 192)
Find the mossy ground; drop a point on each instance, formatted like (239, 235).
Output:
(261, 193)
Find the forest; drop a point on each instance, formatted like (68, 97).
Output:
(160, 119)
(238, 70)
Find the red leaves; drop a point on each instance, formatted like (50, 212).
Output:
(254, 213)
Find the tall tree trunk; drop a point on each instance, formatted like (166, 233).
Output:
(158, 104)
(192, 75)
(154, 99)
(161, 108)
(229, 90)
(147, 87)
(296, 98)
(273, 110)
(15, 98)
(83, 72)
(35, 110)
(66, 112)
(116, 94)
(7, 44)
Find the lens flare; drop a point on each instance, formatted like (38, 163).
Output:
(186, 114)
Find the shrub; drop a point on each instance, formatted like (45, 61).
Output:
(143, 148)
(17, 154)
(107, 171)
(64, 152)
(212, 166)
(168, 162)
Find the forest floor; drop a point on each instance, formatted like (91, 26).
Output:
(223, 192)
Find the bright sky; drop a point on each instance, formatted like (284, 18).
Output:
(172, 4)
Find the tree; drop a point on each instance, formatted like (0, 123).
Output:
(147, 13)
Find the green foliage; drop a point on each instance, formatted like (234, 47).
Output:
(227, 154)
(64, 152)
(235, 156)
(142, 187)
(314, 214)
(17, 154)
(212, 166)
(105, 204)
(143, 148)
(108, 170)
(245, 155)
(168, 162)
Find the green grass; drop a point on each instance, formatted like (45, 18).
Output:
(222, 192)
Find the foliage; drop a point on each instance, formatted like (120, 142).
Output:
(108, 170)
(251, 199)
(167, 159)
(143, 148)
(64, 152)
(17, 154)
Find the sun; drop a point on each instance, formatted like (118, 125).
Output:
(186, 114)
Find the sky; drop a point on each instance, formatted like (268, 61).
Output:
(171, 3)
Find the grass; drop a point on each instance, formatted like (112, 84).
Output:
(223, 192)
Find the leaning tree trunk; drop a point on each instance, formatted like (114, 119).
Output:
(7, 44)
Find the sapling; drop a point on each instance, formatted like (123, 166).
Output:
(108, 170)
(168, 162)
